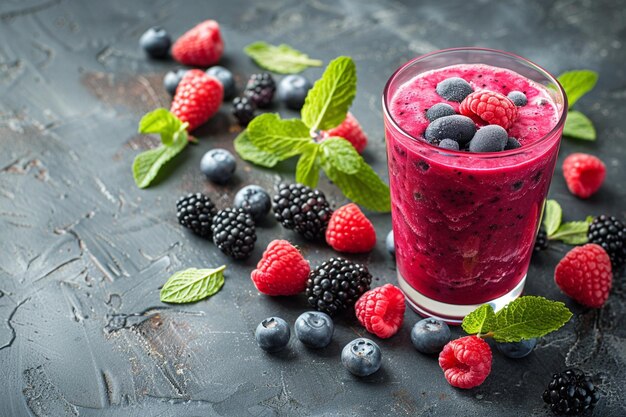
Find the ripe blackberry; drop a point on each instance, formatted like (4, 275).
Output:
(336, 285)
(195, 212)
(609, 233)
(243, 110)
(541, 242)
(260, 89)
(234, 232)
(302, 209)
(570, 393)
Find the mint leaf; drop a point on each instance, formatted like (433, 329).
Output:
(248, 152)
(192, 285)
(481, 320)
(552, 217)
(282, 59)
(327, 103)
(577, 83)
(529, 317)
(578, 126)
(282, 138)
(147, 164)
(308, 169)
(573, 233)
(342, 155)
(163, 122)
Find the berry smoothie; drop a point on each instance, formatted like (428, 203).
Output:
(464, 223)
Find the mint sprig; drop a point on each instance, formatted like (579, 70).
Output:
(192, 285)
(571, 233)
(282, 59)
(576, 84)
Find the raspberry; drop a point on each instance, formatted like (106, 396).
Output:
(198, 97)
(381, 310)
(584, 174)
(466, 362)
(585, 275)
(281, 271)
(350, 231)
(200, 46)
(350, 130)
(489, 107)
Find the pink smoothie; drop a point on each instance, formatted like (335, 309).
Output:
(464, 223)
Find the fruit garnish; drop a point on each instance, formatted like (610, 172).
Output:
(272, 334)
(350, 130)
(584, 174)
(218, 165)
(192, 285)
(255, 200)
(430, 335)
(260, 89)
(570, 393)
(381, 310)
(282, 59)
(362, 357)
(489, 107)
(200, 46)
(350, 231)
(439, 110)
(466, 362)
(234, 232)
(314, 329)
(195, 211)
(456, 127)
(281, 271)
(303, 209)
(491, 138)
(610, 233)
(518, 98)
(454, 89)
(198, 97)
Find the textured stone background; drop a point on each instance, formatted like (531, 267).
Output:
(83, 251)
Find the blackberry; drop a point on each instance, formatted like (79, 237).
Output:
(570, 393)
(302, 209)
(196, 212)
(243, 110)
(260, 89)
(541, 242)
(336, 285)
(609, 233)
(234, 232)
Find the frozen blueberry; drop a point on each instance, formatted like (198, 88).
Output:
(390, 244)
(518, 98)
(361, 357)
(512, 143)
(255, 200)
(454, 89)
(292, 90)
(172, 79)
(456, 127)
(272, 334)
(491, 138)
(517, 350)
(314, 329)
(449, 144)
(430, 335)
(218, 165)
(439, 110)
(156, 42)
(226, 78)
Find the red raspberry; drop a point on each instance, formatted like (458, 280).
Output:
(585, 275)
(584, 174)
(197, 98)
(381, 310)
(466, 362)
(350, 130)
(200, 46)
(282, 270)
(489, 107)
(350, 231)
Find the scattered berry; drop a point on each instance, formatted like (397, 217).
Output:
(234, 232)
(350, 130)
(389, 243)
(430, 335)
(381, 310)
(281, 271)
(156, 42)
(585, 275)
(541, 242)
(255, 200)
(457, 127)
(491, 138)
(454, 89)
(198, 97)
(292, 90)
(201, 46)
(260, 89)
(512, 143)
(314, 329)
(584, 174)
(196, 212)
(518, 98)
(439, 110)
(226, 78)
(453, 145)
(489, 107)
(516, 350)
(350, 231)
(609, 233)
(218, 165)
(243, 110)
(362, 357)
(302, 209)
(466, 362)
(570, 393)
(336, 285)
(172, 79)
(272, 334)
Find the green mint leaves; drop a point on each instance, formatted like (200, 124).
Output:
(571, 233)
(524, 318)
(576, 84)
(192, 285)
(282, 138)
(249, 152)
(174, 139)
(282, 59)
(552, 216)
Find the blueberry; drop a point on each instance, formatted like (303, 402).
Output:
(314, 329)
(518, 98)
(293, 90)
(491, 138)
(439, 110)
(517, 350)
(255, 200)
(430, 335)
(172, 79)
(454, 89)
(156, 42)
(449, 144)
(512, 143)
(361, 357)
(218, 165)
(272, 334)
(390, 244)
(457, 127)
(226, 78)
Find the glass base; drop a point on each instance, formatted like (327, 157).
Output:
(452, 313)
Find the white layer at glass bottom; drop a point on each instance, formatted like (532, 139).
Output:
(452, 313)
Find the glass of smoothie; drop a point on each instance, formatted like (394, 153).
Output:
(465, 221)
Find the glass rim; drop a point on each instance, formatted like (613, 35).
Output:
(481, 155)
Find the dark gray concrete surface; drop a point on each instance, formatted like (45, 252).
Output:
(83, 252)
